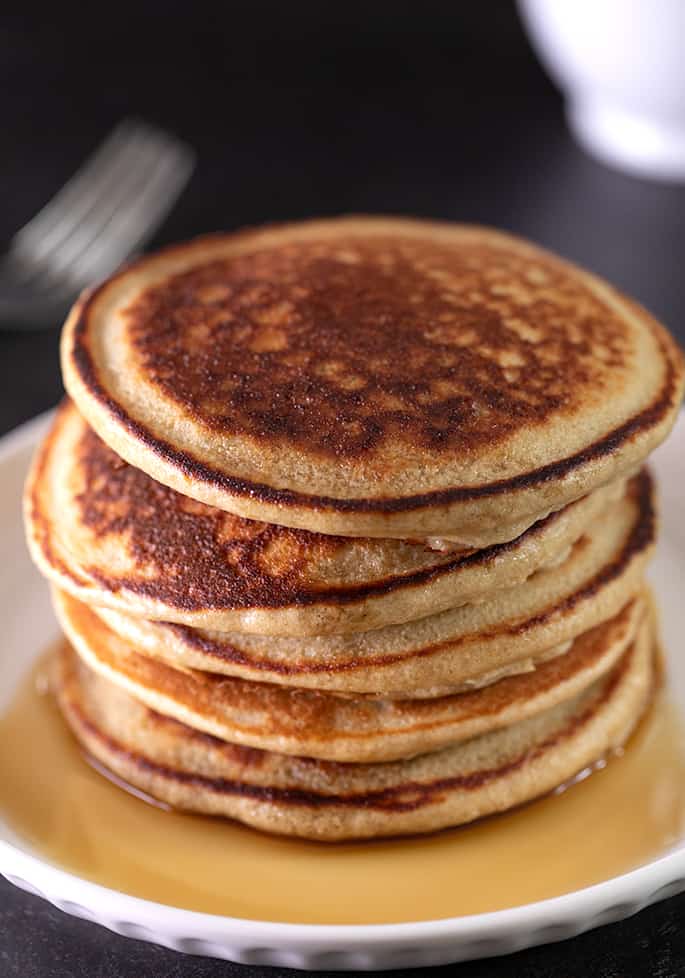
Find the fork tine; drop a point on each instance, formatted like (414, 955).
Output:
(99, 231)
(135, 223)
(133, 171)
(88, 175)
(107, 183)
(114, 203)
(35, 264)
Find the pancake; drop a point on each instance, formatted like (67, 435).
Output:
(516, 627)
(372, 377)
(331, 727)
(326, 800)
(111, 535)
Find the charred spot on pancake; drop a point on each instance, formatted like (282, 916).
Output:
(186, 553)
(340, 347)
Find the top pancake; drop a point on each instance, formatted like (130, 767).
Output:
(372, 376)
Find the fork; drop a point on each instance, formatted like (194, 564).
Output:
(110, 207)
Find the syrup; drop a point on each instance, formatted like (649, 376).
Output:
(627, 811)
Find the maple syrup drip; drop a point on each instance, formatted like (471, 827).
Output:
(619, 814)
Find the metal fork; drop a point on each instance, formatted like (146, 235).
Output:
(111, 206)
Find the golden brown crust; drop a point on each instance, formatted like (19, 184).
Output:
(338, 348)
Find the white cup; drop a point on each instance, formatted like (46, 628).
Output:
(621, 64)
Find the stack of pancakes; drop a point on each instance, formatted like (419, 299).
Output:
(346, 523)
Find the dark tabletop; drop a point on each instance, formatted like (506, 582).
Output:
(299, 109)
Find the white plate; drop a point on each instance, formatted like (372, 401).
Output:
(29, 625)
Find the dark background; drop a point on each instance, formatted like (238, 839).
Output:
(299, 109)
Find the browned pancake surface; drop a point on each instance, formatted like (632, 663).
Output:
(338, 347)
(197, 556)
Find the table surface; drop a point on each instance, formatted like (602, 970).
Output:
(299, 110)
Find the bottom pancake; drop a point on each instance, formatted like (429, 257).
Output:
(325, 800)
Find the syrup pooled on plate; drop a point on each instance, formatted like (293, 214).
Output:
(624, 813)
